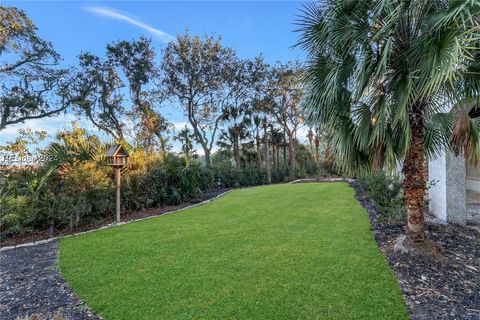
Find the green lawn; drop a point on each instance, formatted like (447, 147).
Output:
(297, 251)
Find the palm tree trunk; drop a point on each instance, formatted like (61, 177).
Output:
(267, 160)
(292, 158)
(414, 183)
(310, 140)
(236, 149)
(278, 157)
(274, 156)
(259, 160)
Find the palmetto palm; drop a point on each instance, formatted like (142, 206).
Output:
(186, 137)
(238, 117)
(74, 147)
(393, 81)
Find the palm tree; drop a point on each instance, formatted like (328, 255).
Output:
(257, 122)
(310, 138)
(382, 78)
(186, 138)
(266, 150)
(74, 147)
(276, 138)
(238, 116)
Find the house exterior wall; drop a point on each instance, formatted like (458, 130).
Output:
(448, 198)
(437, 192)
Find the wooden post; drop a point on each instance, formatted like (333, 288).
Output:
(117, 187)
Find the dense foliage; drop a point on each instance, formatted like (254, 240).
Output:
(242, 114)
(385, 190)
(75, 188)
(394, 81)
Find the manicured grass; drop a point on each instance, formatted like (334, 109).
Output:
(298, 251)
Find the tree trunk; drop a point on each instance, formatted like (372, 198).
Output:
(278, 158)
(207, 157)
(274, 156)
(292, 153)
(267, 160)
(236, 149)
(414, 183)
(284, 149)
(259, 160)
(310, 140)
(317, 151)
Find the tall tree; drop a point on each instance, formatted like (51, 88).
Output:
(109, 99)
(310, 137)
(136, 61)
(32, 84)
(150, 128)
(238, 116)
(245, 82)
(276, 138)
(257, 123)
(381, 78)
(100, 84)
(286, 94)
(196, 74)
(266, 149)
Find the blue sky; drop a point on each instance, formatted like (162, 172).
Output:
(250, 27)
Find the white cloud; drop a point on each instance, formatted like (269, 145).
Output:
(114, 14)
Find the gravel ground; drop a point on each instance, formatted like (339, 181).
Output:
(31, 286)
(443, 286)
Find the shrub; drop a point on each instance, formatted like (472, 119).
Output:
(13, 214)
(78, 188)
(90, 192)
(279, 175)
(386, 192)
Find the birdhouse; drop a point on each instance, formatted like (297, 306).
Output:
(117, 156)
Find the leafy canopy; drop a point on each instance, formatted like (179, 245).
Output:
(372, 63)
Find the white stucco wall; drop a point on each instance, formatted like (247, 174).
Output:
(437, 193)
(448, 198)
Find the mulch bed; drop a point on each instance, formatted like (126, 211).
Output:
(31, 286)
(443, 286)
(126, 216)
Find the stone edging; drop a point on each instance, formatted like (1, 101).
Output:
(111, 225)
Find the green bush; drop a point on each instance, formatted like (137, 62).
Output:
(386, 192)
(279, 175)
(13, 214)
(79, 190)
